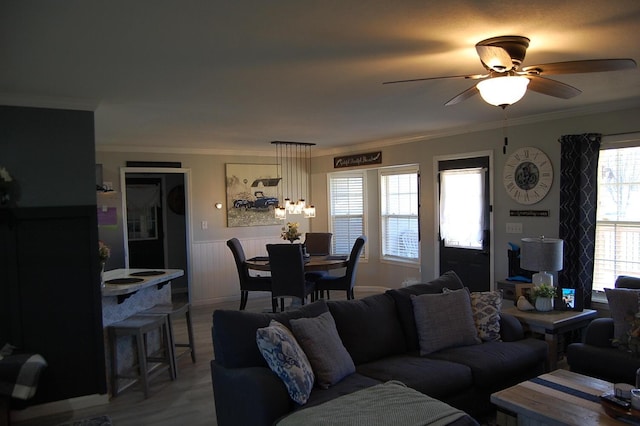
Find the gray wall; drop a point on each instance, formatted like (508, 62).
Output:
(208, 187)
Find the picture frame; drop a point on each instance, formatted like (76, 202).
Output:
(524, 290)
(568, 299)
(252, 194)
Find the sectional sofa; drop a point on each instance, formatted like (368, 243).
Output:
(388, 337)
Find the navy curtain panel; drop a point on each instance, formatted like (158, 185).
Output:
(578, 201)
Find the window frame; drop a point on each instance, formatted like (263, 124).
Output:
(608, 143)
(391, 171)
(358, 174)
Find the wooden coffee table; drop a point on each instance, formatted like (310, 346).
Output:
(559, 397)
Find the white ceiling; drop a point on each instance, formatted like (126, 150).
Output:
(213, 74)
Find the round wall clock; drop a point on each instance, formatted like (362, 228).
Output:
(527, 175)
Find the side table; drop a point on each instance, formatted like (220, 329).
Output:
(552, 324)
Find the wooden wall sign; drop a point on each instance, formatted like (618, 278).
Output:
(529, 213)
(357, 160)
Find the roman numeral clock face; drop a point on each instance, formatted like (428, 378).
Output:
(527, 175)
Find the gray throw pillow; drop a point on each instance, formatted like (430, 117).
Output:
(623, 305)
(320, 341)
(444, 320)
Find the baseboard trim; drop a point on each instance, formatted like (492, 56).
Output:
(56, 407)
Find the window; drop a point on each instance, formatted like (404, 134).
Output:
(399, 214)
(346, 216)
(617, 250)
(462, 218)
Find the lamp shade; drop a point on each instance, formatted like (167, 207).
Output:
(503, 91)
(541, 254)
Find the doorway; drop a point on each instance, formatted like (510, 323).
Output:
(465, 220)
(157, 216)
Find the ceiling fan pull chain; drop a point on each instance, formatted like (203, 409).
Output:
(504, 132)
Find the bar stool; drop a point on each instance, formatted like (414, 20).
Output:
(173, 311)
(139, 327)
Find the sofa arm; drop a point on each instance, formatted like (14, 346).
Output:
(599, 333)
(510, 328)
(248, 396)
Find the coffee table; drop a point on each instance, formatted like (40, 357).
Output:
(559, 397)
(552, 324)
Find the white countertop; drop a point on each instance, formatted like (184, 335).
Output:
(111, 290)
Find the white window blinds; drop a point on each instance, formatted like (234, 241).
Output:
(399, 213)
(347, 221)
(617, 250)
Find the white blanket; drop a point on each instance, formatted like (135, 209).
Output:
(391, 403)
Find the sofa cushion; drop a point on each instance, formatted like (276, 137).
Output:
(402, 297)
(485, 307)
(494, 363)
(349, 384)
(234, 333)
(436, 378)
(623, 305)
(321, 343)
(444, 320)
(369, 327)
(286, 359)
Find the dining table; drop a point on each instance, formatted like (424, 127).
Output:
(311, 263)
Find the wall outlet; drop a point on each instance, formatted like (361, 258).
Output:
(514, 228)
(204, 224)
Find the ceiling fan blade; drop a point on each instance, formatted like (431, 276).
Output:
(575, 67)
(546, 86)
(473, 77)
(495, 58)
(470, 92)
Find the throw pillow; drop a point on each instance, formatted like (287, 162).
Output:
(485, 307)
(444, 320)
(286, 359)
(623, 305)
(321, 343)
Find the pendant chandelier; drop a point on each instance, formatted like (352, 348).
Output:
(294, 170)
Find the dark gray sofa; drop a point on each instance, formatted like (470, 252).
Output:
(596, 356)
(379, 332)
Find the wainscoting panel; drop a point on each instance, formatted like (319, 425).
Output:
(215, 278)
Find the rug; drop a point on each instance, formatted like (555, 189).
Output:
(93, 421)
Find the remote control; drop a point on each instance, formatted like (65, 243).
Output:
(615, 400)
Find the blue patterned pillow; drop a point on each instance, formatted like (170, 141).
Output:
(286, 359)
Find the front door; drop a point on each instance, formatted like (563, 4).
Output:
(464, 206)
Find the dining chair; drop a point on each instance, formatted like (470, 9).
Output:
(348, 280)
(247, 282)
(286, 263)
(318, 243)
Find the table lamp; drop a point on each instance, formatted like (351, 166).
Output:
(543, 255)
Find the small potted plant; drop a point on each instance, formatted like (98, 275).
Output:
(543, 295)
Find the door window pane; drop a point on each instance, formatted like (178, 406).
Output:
(461, 208)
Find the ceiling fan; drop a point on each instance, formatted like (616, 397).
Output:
(505, 83)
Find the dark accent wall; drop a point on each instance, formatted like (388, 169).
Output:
(50, 298)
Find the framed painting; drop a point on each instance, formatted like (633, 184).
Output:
(524, 290)
(252, 194)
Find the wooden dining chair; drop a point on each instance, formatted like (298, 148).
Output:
(318, 243)
(247, 282)
(286, 262)
(348, 280)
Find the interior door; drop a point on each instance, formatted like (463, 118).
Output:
(145, 223)
(466, 199)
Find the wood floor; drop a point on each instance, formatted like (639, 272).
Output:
(185, 401)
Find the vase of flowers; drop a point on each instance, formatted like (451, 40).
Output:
(290, 232)
(543, 294)
(103, 254)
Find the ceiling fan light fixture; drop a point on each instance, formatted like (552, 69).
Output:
(503, 91)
